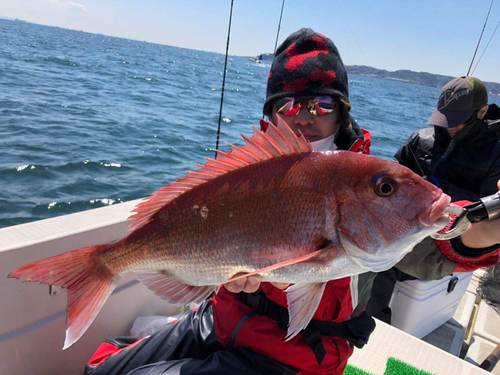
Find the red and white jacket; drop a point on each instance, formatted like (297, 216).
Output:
(343, 299)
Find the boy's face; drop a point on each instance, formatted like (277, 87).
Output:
(480, 115)
(313, 127)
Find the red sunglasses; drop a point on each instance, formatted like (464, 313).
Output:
(317, 106)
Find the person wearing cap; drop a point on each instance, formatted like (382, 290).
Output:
(308, 88)
(459, 153)
(242, 328)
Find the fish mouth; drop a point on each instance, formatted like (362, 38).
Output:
(433, 214)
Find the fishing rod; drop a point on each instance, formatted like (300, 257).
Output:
(485, 48)
(225, 67)
(279, 26)
(486, 21)
(277, 35)
(224, 79)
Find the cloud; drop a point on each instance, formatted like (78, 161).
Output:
(69, 5)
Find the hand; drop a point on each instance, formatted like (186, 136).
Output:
(484, 234)
(249, 284)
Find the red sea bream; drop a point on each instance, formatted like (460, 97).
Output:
(272, 207)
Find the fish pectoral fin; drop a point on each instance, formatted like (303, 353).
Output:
(322, 243)
(165, 285)
(303, 301)
(276, 266)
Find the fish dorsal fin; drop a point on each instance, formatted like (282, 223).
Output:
(279, 140)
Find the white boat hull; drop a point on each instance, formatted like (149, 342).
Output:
(33, 316)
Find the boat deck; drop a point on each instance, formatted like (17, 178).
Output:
(472, 335)
(33, 316)
(473, 332)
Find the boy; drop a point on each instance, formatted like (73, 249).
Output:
(242, 332)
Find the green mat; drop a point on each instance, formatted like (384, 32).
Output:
(393, 367)
(351, 370)
(397, 367)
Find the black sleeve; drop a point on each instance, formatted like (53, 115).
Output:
(457, 193)
(489, 184)
(404, 155)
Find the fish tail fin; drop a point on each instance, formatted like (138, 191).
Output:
(89, 285)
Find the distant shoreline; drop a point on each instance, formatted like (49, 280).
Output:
(409, 76)
(419, 78)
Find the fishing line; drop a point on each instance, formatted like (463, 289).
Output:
(416, 161)
(277, 35)
(352, 33)
(473, 57)
(224, 79)
(478, 61)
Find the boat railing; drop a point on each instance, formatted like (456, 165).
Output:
(33, 316)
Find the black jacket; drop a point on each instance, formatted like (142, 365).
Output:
(466, 167)
(349, 134)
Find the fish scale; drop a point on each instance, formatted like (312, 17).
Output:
(193, 239)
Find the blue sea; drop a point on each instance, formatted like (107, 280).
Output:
(88, 120)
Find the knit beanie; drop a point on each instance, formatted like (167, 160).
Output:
(307, 63)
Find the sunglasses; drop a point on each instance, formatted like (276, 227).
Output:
(318, 106)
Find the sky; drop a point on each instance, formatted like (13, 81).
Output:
(438, 37)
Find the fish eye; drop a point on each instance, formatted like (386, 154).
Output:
(385, 187)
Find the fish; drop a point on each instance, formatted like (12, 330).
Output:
(272, 207)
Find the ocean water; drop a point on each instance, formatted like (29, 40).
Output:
(88, 120)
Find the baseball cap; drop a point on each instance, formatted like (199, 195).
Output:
(458, 100)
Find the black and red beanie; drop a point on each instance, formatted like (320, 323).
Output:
(307, 63)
